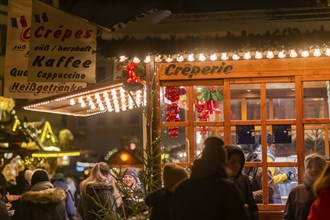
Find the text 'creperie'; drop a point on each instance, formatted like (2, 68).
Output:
(190, 70)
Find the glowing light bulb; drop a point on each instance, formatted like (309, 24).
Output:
(180, 58)
(213, 57)
(202, 57)
(191, 57)
(247, 55)
(258, 55)
(281, 54)
(147, 59)
(293, 53)
(270, 54)
(224, 56)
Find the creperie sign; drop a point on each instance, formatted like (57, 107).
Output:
(190, 70)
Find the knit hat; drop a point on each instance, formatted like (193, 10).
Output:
(214, 150)
(173, 174)
(132, 172)
(39, 176)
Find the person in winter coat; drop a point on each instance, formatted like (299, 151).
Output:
(58, 180)
(133, 194)
(21, 187)
(159, 200)
(255, 176)
(43, 201)
(97, 193)
(235, 165)
(320, 207)
(301, 197)
(4, 214)
(208, 194)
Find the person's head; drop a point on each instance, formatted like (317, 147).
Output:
(39, 176)
(58, 177)
(235, 159)
(214, 150)
(314, 164)
(269, 141)
(99, 173)
(130, 176)
(173, 175)
(323, 181)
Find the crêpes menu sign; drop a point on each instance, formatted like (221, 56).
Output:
(62, 47)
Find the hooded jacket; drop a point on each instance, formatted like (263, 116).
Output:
(43, 202)
(69, 202)
(207, 195)
(98, 192)
(243, 183)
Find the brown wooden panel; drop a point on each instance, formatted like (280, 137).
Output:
(244, 68)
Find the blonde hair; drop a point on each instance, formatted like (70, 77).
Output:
(99, 173)
(323, 181)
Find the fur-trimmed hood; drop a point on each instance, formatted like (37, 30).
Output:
(46, 196)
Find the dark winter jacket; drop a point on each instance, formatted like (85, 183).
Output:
(207, 195)
(101, 193)
(159, 201)
(43, 202)
(299, 202)
(255, 175)
(69, 202)
(243, 183)
(4, 215)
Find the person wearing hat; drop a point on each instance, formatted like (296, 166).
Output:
(235, 165)
(43, 201)
(133, 193)
(58, 180)
(208, 194)
(301, 197)
(159, 200)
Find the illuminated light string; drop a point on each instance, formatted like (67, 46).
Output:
(245, 55)
(94, 102)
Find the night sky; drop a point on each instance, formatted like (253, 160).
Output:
(110, 12)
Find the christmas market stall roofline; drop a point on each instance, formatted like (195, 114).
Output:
(167, 34)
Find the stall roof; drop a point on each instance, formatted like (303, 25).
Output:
(162, 32)
(95, 99)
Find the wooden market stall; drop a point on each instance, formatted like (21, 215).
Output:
(238, 76)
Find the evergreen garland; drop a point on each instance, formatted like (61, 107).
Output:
(208, 94)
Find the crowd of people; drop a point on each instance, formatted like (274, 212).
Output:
(218, 186)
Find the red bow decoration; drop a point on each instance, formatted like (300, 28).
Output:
(133, 81)
(173, 94)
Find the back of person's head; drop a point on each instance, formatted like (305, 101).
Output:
(173, 175)
(323, 181)
(269, 139)
(100, 172)
(214, 150)
(39, 176)
(59, 177)
(319, 159)
(314, 164)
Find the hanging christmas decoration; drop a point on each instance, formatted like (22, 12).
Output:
(173, 110)
(207, 104)
(133, 81)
